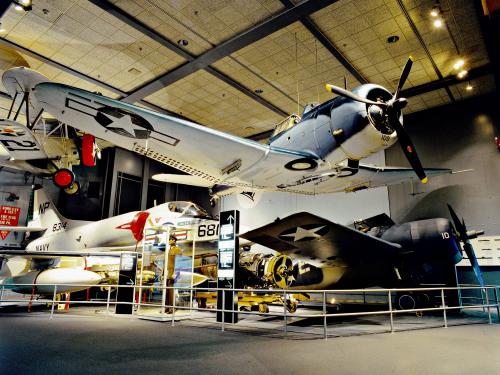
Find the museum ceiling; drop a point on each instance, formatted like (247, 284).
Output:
(236, 65)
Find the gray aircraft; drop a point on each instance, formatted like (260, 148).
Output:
(315, 253)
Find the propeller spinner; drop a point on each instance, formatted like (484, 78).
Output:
(391, 108)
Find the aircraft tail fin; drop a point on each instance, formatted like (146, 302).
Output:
(45, 213)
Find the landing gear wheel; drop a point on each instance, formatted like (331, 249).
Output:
(73, 189)
(263, 308)
(406, 301)
(63, 178)
(88, 150)
(212, 202)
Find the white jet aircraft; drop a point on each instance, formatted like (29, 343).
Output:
(50, 258)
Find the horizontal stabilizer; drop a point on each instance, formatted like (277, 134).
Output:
(183, 179)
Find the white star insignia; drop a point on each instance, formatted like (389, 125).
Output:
(124, 122)
(302, 233)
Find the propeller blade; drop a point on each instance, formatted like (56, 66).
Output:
(469, 250)
(459, 225)
(347, 94)
(409, 150)
(404, 77)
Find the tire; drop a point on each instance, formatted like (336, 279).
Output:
(406, 301)
(63, 178)
(73, 189)
(88, 150)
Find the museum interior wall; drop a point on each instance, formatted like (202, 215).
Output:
(458, 136)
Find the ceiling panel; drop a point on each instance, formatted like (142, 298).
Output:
(214, 103)
(80, 35)
(203, 24)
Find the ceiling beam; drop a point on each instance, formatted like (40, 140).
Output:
(417, 90)
(280, 20)
(151, 33)
(85, 77)
(423, 45)
(310, 25)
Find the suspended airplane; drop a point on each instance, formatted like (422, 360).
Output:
(41, 146)
(97, 244)
(314, 253)
(318, 153)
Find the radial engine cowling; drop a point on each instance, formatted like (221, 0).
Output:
(273, 270)
(374, 131)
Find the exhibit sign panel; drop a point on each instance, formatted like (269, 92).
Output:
(228, 251)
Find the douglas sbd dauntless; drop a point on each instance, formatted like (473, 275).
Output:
(318, 153)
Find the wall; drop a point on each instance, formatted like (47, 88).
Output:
(458, 136)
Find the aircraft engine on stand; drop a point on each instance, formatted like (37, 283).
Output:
(272, 270)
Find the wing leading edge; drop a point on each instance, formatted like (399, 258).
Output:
(307, 235)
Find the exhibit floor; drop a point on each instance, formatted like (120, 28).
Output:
(34, 344)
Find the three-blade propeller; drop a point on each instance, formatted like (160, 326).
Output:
(464, 236)
(391, 109)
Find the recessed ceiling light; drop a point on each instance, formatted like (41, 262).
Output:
(26, 2)
(435, 12)
(19, 8)
(393, 39)
(469, 87)
(259, 91)
(462, 74)
(182, 42)
(460, 63)
(438, 23)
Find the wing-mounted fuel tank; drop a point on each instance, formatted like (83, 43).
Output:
(271, 270)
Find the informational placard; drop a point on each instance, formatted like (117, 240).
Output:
(9, 216)
(127, 276)
(229, 224)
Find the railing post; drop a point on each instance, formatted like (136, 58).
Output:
(488, 305)
(497, 303)
(444, 309)
(223, 304)
(284, 312)
(107, 301)
(324, 316)
(133, 300)
(3, 287)
(53, 301)
(389, 297)
(173, 305)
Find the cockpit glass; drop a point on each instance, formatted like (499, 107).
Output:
(195, 211)
(188, 209)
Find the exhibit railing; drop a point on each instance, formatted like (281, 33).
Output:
(484, 299)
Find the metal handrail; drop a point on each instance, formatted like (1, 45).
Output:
(490, 302)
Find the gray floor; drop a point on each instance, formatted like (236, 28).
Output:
(34, 344)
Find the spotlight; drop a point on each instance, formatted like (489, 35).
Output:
(469, 87)
(438, 23)
(462, 74)
(23, 5)
(460, 63)
(435, 12)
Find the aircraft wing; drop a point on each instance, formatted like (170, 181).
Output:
(19, 142)
(309, 236)
(200, 151)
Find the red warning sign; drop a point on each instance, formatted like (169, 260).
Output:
(9, 216)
